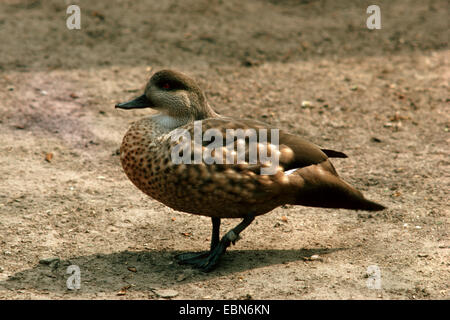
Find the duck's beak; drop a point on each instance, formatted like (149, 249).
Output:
(138, 103)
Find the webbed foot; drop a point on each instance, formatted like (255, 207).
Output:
(207, 261)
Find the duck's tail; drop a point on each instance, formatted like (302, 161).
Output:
(315, 187)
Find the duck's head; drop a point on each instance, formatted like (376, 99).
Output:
(173, 94)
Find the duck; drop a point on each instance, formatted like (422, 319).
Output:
(301, 172)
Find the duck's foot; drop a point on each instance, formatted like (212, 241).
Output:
(191, 258)
(203, 261)
(207, 261)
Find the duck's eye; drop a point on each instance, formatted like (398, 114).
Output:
(166, 86)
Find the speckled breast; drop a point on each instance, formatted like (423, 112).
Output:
(145, 161)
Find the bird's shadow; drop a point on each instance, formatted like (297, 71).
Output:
(143, 270)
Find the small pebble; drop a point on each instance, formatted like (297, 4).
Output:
(307, 104)
(166, 293)
(181, 277)
(185, 275)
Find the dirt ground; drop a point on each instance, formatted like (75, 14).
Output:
(380, 96)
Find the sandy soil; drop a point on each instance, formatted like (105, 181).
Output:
(380, 96)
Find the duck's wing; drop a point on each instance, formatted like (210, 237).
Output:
(305, 153)
(295, 152)
(303, 175)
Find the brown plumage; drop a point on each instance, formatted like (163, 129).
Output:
(223, 190)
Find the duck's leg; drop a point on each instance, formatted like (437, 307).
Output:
(215, 237)
(193, 257)
(229, 238)
(207, 262)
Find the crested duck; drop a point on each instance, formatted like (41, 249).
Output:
(303, 174)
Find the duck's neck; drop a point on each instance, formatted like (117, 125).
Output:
(170, 122)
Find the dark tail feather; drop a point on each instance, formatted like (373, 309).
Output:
(334, 154)
(371, 206)
(330, 192)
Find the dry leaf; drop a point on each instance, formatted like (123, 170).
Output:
(49, 157)
(98, 15)
(123, 290)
